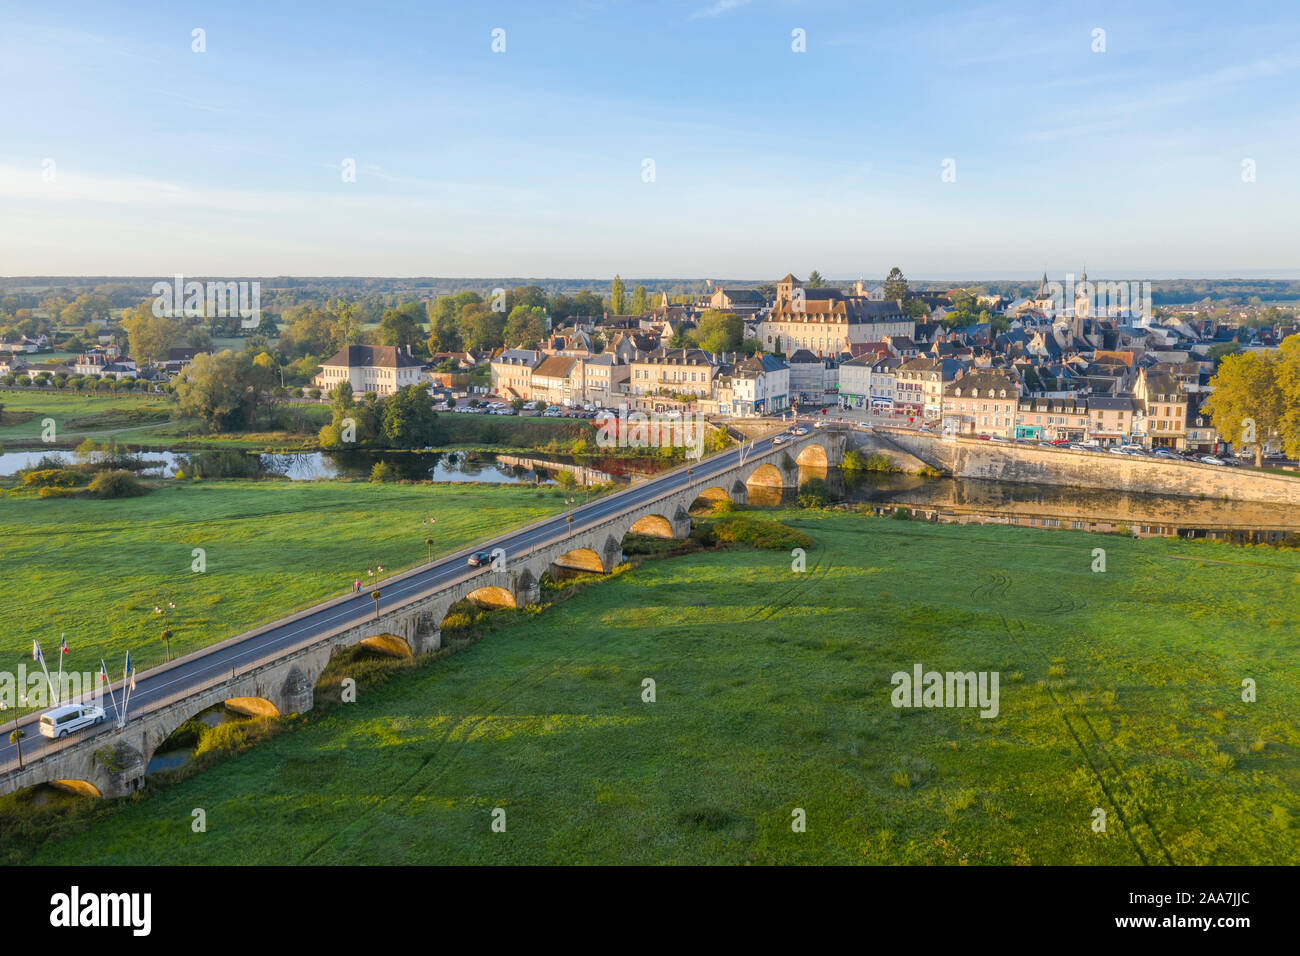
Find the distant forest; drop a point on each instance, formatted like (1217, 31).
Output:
(283, 292)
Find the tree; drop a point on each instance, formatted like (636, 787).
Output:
(16, 737)
(310, 332)
(896, 286)
(151, 336)
(616, 298)
(224, 390)
(719, 331)
(1217, 352)
(167, 639)
(587, 304)
(402, 327)
(815, 281)
(532, 296)
(1247, 404)
(640, 300)
(525, 328)
(481, 328)
(407, 419)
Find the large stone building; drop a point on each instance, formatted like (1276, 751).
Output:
(675, 372)
(826, 321)
(980, 403)
(382, 369)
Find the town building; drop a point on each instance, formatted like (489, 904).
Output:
(980, 403)
(382, 369)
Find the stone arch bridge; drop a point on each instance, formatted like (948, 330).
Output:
(274, 669)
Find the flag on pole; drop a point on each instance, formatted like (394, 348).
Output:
(130, 671)
(103, 673)
(63, 645)
(36, 651)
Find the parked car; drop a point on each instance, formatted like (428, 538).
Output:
(62, 721)
(1116, 449)
(480, 558)
(1211, 460)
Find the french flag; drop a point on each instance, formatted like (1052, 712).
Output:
(63, 645)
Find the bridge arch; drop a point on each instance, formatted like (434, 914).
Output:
(653, 526)
(389, 645)
(82, 788)
(492, 595)
(766, 475)
(580, 559)
(252, 706)
(813, 455)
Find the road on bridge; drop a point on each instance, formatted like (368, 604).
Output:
(199, 667)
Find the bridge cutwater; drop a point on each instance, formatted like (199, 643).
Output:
(274, 668)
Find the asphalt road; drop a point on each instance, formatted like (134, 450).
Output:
(201, 666)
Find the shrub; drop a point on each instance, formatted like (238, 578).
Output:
(52, 478)
(901, 514)
(117, 484)
(50, 491)
(566, 480)
(383, 471)
(813, 493)
(756, 532)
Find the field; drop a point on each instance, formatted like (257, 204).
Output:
(95, 570)
(1120, 692)
(76, 416)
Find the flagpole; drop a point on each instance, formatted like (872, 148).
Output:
(126, 691)
(63, 643)
(53, 691)
(103, 669)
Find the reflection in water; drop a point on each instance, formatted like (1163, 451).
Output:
(1086, 509)
(1047, 506)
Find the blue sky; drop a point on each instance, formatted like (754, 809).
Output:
(529, 162)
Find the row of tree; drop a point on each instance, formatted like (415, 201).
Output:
(1256, 398)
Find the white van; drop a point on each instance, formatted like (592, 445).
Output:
(62, 721)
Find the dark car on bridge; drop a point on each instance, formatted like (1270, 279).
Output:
(480, 558)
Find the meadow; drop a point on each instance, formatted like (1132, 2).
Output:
(95, 570)
(1120, 692)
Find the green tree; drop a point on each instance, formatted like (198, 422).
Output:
(225, 390)
(525, 328)
(640, 300)
(150, 336)
(719, 331)
(1247, 404)
(402, 327)
(616, 297)
(815, 281)
(896, 286)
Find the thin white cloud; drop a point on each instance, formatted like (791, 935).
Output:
(717, 9)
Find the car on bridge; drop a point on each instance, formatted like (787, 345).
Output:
(780, 439)
(480, 558)
(62, 721)
(798, 432)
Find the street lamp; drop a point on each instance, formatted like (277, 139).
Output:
(374, 596)
(429, 544)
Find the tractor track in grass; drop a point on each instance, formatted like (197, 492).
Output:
(1063, 710)
(462, 729)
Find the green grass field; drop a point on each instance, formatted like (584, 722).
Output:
(76, 415)
(1120, 691)
(95, 570)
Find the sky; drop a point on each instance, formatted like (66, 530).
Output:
(679, 138)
